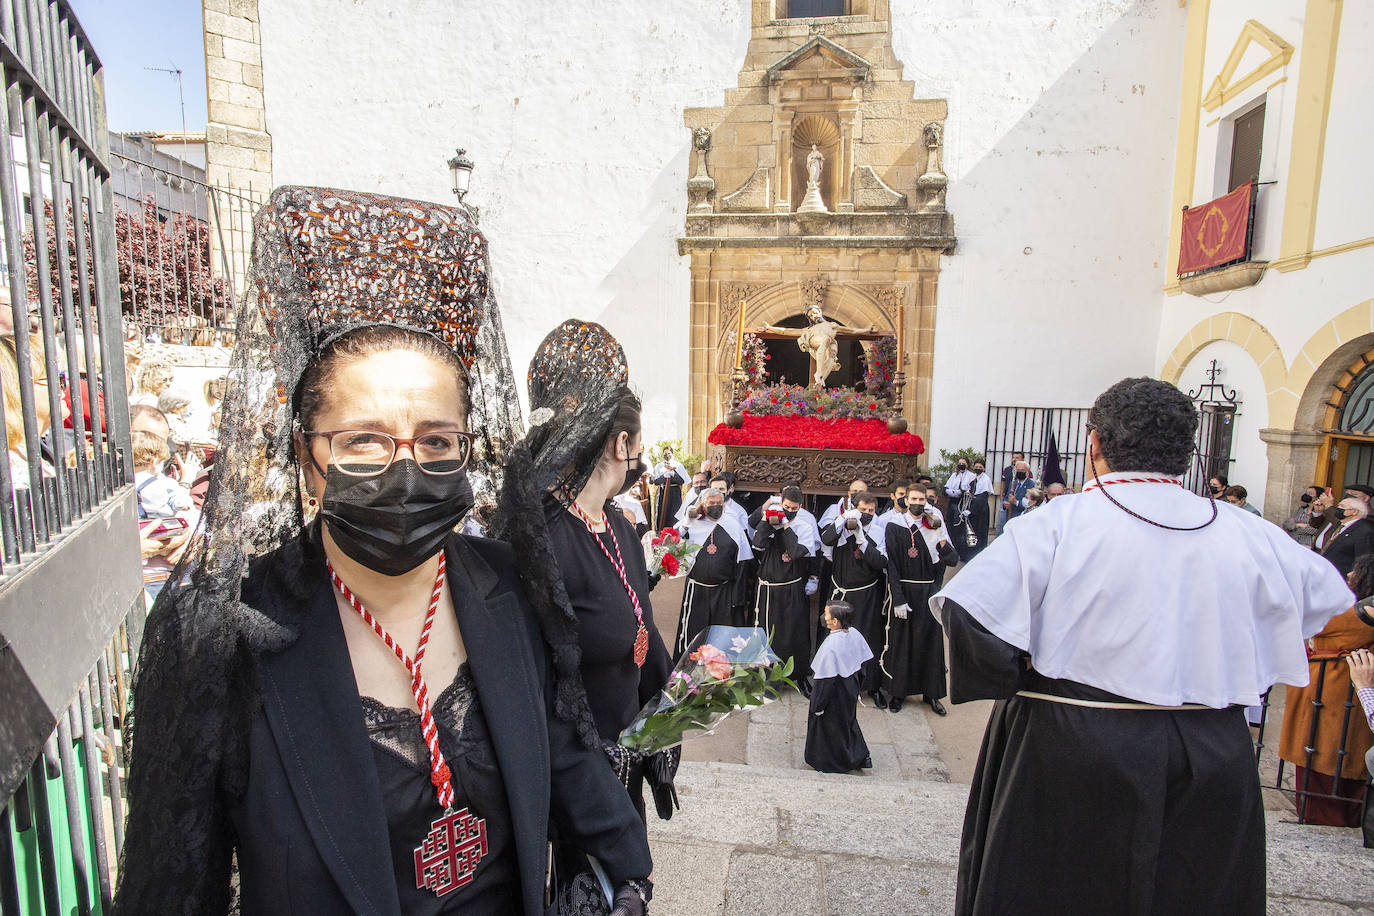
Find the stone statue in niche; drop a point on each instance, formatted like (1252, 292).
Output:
(820, 340)
(813, 202)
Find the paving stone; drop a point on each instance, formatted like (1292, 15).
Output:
(760, 883)
(1302, 906)
(883, 887)
(775, 713)
(769, 745)
(931, 837)
(1327, 863)
(689, 878)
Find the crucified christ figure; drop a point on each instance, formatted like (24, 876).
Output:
(819, 340)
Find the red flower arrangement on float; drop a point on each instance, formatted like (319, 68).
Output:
(814, 432)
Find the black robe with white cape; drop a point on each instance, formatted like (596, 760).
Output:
(1080, 804)
(709, 597)
(834, 743)
(782, 607)
(913, 657)
(859, 574)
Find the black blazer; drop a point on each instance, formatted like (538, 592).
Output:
(1346, 547)
(309, 825)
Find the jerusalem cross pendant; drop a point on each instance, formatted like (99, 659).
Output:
(450, 853)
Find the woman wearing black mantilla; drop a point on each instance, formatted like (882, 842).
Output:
(583, 567)
(366, 718)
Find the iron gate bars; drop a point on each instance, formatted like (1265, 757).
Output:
(1028, 430)
(69, 569)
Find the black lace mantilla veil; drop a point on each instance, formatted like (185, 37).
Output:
(324, 262)
(576, 377)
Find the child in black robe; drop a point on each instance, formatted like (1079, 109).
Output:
(834, 743)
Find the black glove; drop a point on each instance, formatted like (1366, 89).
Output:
(631, 900)
(654, 580)
(660, 769)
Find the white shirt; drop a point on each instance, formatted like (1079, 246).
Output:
(983, 485)
(960, 482)
(1213, 616)
(628, 503)
(698, 530)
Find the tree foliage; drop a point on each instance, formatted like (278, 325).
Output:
(165, 275)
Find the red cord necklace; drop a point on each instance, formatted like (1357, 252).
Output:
(642, 634)
(457, 840)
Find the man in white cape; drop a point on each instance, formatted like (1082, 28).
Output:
(1123, 633)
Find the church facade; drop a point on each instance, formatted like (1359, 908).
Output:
(652, 172)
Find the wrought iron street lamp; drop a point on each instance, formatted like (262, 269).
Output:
(460, 171)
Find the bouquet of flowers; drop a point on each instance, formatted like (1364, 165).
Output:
(667, 554)
(727, 669)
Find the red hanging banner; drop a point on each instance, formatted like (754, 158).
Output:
(1215, 233)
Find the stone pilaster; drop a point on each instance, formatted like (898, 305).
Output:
(1292, 466)
(238, 148)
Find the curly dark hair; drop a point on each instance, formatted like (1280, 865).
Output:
(1362, 576)
(1145, 424)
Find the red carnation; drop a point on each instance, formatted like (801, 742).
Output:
(670, 564)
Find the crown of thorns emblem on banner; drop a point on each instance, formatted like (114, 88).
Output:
(449, 855)
(1202, 230)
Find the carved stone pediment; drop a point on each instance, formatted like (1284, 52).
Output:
(870, 193)
(752, 196)
(820, 53)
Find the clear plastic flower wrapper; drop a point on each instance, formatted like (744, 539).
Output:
(668, 554)
(726, 669)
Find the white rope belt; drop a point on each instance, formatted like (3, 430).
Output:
(858, 588)
(1103, 704)
(917, 581)
(705, 584)
(781, 584)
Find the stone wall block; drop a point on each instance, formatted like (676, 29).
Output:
(754, 133)
(702, 117)
(889, 130)
(214, 46)
(234, 157)
(246, 9)
(245, 96)
(253, 139)
(753, 95)
(252, 75)
(752, 113)
(217, 68)
(228, 26)
(218, 6)
(236, 115)
(245, 52)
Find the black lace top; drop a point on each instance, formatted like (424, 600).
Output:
(412, 803)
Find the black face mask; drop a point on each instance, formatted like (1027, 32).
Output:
(1306, 498)
(865, 518)
(397, 520)
(1020, 475)
(715, 512)
(791, 516)
(900, 502)
(634, 469)
(963, 467)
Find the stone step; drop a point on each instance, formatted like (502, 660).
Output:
(781, 840)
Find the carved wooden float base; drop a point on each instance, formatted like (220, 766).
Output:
(822, 471)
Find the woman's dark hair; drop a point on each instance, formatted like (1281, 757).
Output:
(1221, 479)
(626, 418)
(359, 343)
(842, 611)
(1145, 424)
(1362, 576)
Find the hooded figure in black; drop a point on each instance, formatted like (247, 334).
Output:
(783, 609)
(860, 576)
(913, 658)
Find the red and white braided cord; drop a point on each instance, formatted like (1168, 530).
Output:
(616, 561)
(439, 775)
(1094, 484)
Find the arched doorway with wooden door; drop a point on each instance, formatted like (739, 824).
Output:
(1347, 455)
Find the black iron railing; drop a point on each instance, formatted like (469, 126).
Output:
(1031, 431)
(69, 569)
(1317, 741)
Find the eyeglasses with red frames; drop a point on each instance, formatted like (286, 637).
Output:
(367, 452)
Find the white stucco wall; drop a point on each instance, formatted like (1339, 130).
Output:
(1238, 373)
(1059, 140)
(1291, 306)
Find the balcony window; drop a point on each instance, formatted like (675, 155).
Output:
(1247, 141)
(809, 9)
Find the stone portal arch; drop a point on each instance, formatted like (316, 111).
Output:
(1323, 363)
(842, 303)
